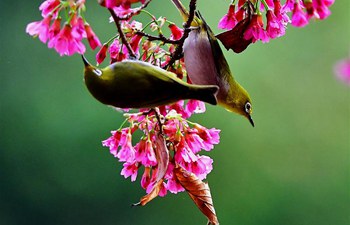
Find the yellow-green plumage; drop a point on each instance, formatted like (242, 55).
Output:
(206, 65)
(136, 84)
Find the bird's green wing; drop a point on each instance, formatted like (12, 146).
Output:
(223, 69)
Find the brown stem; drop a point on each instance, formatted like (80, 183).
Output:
(178, 53)
(158, 38)
(136, 12)
(121, 33)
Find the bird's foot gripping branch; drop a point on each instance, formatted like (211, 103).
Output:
(158, 73)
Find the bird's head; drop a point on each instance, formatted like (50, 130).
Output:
(90, 70)
(241, 104)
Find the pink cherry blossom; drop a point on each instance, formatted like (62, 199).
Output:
(173, 184)
(130, 170)
(193, 140)
(40, 28)
(288, 6)
(255, 30)
(146, 178)
(194, 106)
(275, 27)
(184, 153)
(176, 32)
(228, 21)
(78, 26)
(65, 43)
(55, 28)
(210, 137)
(280, 14)
(321, 8)
(145, 153)
(48, 6)
(101, 54)
(299, 18)
(127, 151)
(202, 167)
(117, 139)
(94, 42)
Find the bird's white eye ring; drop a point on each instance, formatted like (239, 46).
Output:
(97, 72)
(247, 107)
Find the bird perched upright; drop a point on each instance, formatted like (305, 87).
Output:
(206, 65)
(137, 84)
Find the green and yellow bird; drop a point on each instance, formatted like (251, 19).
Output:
(137, 84)
(206, 65)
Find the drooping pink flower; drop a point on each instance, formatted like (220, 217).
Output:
(117, 139)
(130, 170)
(127, 151)
(288, 6)
(101, 54)
(255, 30)
(55, 28)
(328, 2)
(176, 32)
(194, 106)
(146, 178)
(184, 153)
(193, 140)
(310, 10)
(321, 8)
(145, 153)
(228, 21)
(210, 137)
(280, 14)
(40, 28)
(116, 3)
(240, 14)
(135, 44)
(173, 184)
(78, 27)
(274, 28)
(48, 6)
(342, 70)
(299, 18)
(202, 167)
(116, 52)
(65, 43)
(241, 3)
(93, 40)
(153, 181)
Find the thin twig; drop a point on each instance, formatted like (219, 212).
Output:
(178, 53)
(158, 38)
(121, 33)
(136, 12)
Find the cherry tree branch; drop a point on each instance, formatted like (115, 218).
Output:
(178, 53)
(121, 33)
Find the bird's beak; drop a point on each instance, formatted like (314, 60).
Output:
(86, 63)
(251, 120)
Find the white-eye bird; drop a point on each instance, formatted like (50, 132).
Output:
(137, 84)
(206, 65)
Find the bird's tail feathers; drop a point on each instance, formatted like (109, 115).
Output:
(205, 93)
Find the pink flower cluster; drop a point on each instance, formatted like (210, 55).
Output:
(126, 4)
(276, 16)
(143, 49)
(66, 40)
(183, 139)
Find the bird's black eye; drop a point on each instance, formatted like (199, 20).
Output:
(247, 107)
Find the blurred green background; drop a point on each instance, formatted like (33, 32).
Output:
(291, 169)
